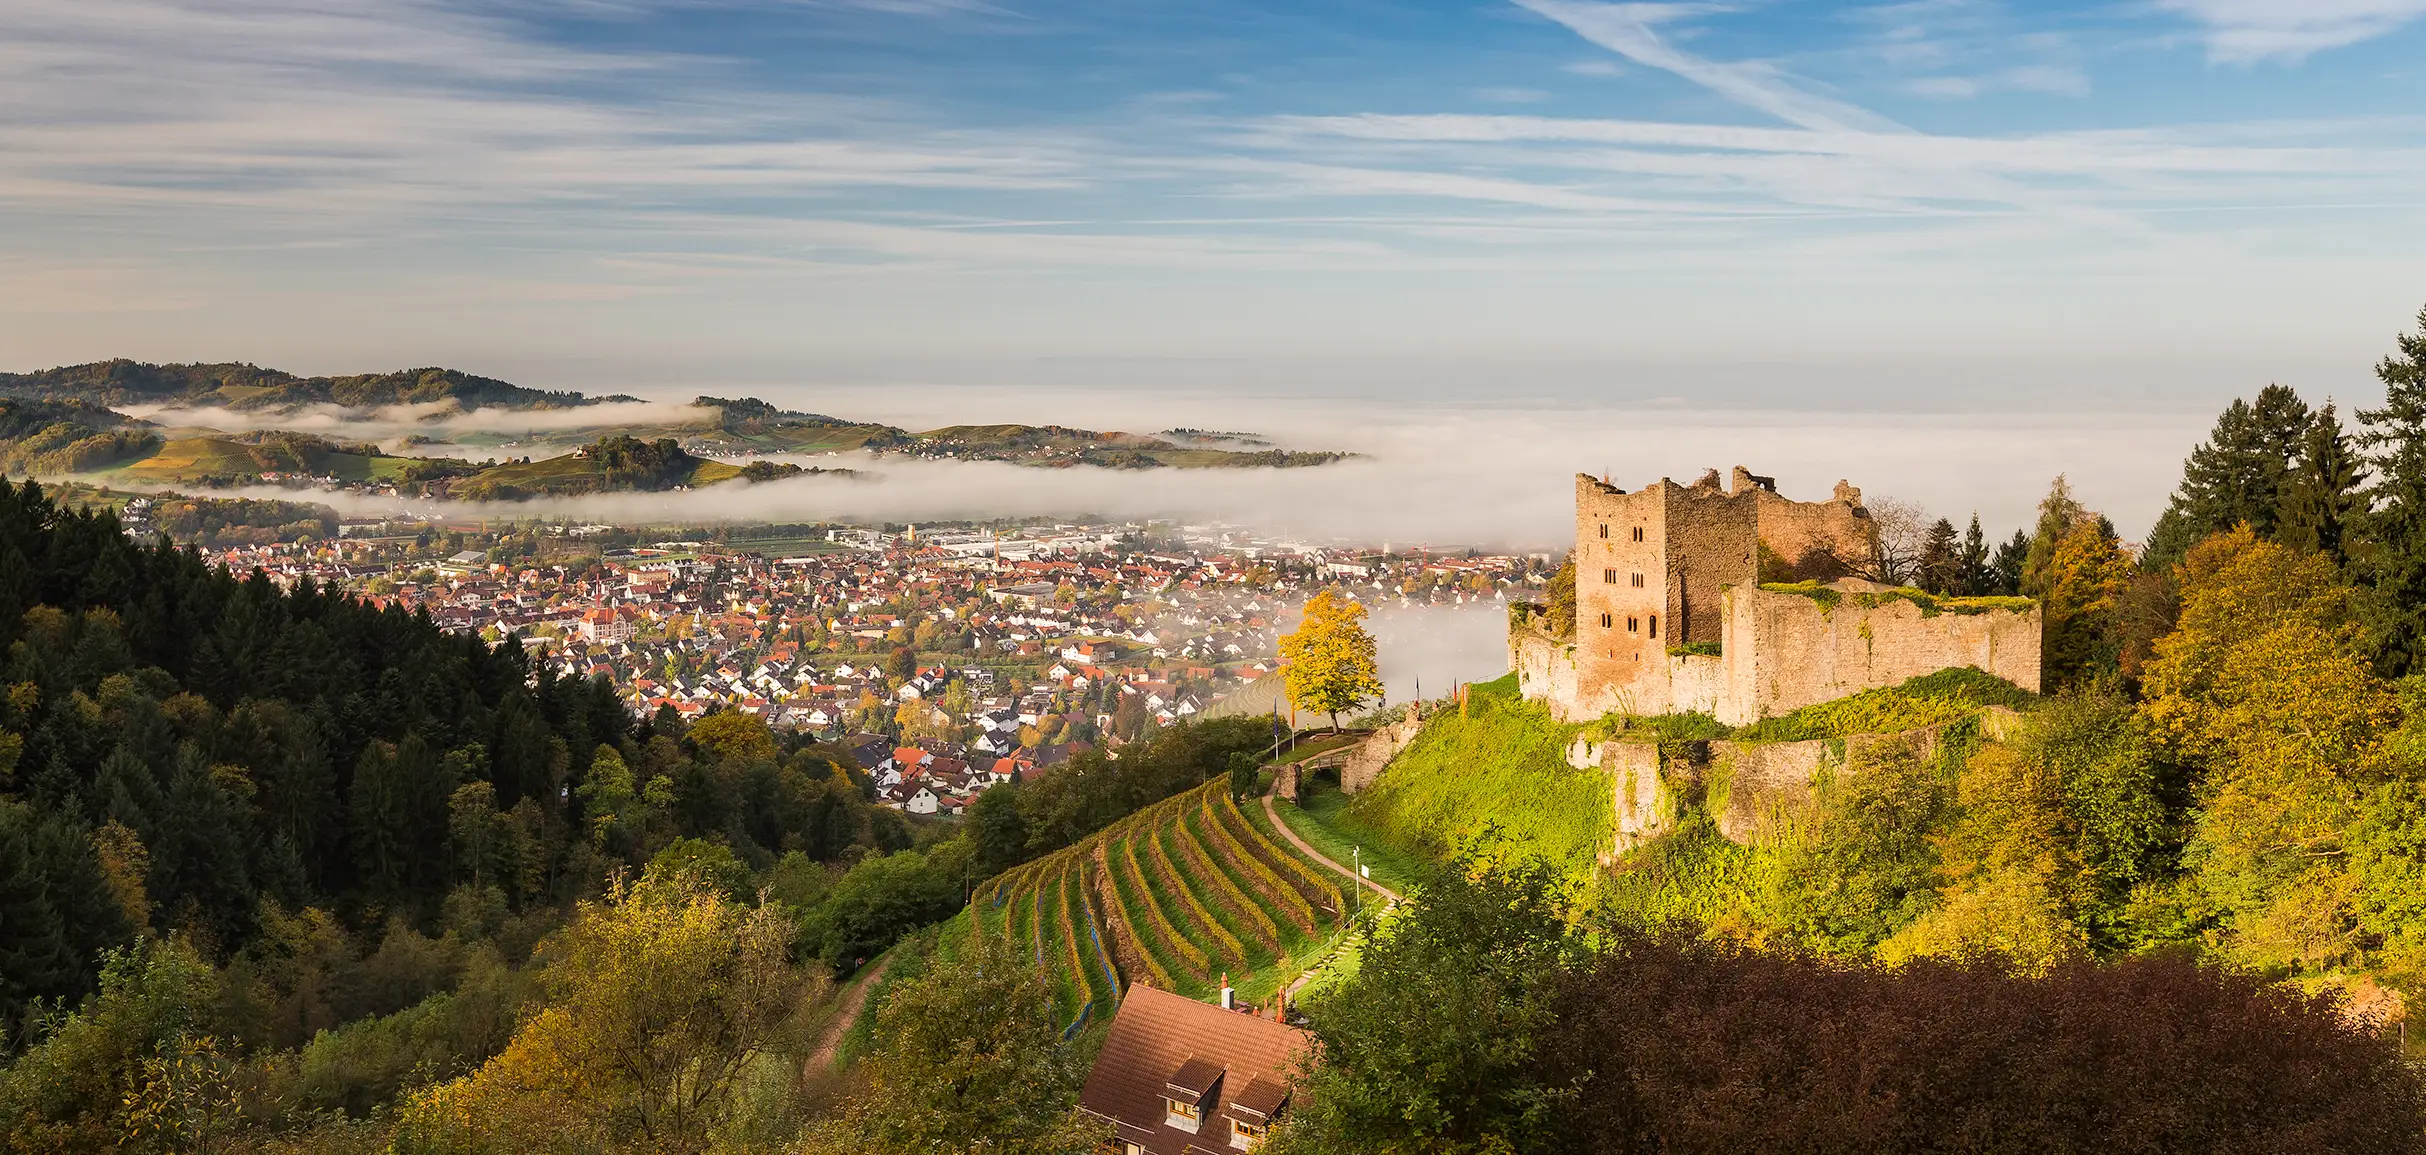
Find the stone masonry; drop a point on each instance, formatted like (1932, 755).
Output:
(1668, 573)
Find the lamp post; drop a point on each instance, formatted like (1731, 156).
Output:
(1356, 855)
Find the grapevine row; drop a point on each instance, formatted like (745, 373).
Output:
(1318, 887)
(1232, 950)
(1083, 982)
(1133, 957)
(1225, 889)
(1191, 956)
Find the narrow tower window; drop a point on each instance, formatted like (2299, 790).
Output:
(1604, 621)
(1604, 531)
(1638, 579)
(1638, 533)
(1609, 576)
(1655, 625)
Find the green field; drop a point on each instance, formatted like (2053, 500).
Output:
(1178, 896)
(195, 459)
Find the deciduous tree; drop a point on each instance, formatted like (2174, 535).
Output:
(1330, 657)
(969, 1060)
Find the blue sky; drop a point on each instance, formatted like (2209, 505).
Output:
(1939, 203)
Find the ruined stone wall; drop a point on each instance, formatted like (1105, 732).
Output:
(1640, 793)
(1784, 651)
(1755, 788)
(1761, 790)
(1365, 760)
(1697, 683)
(1713, 543)
(1793, 529)
(1692, 548)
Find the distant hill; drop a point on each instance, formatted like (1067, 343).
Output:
(608, 465)
(240, 386)
(57, 437)
(81, 433)
(235, 460)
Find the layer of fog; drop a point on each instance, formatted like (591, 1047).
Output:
(1427, 649)
(1449, 478)
(389, 425)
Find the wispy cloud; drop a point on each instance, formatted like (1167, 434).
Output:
(2244, 31)
(1631, 31)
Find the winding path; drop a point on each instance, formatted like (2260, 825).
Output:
(1319, 856)
(854, 1000)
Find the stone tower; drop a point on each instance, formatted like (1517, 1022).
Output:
(1652, 568)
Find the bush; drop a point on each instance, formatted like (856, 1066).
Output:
(1686, 1045)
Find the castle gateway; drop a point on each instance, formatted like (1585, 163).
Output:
(1672, 615)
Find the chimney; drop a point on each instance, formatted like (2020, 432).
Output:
(1229, 998)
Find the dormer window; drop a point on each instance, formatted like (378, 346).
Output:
(1245, 1135)
(1187, 1091)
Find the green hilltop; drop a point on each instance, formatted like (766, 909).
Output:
(242, 386)
(60, 421)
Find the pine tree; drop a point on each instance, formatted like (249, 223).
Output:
(2323, 500)
(2005, 570)
(2394, 554)
(2240, 474)
(1974, 576)
(35, 959)
(1941, 563)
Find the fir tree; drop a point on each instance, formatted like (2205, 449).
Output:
(1973, 562)
(2323, 499)
(1941, 563)
(2005, 570)
(2395, 552)
(2240, 474)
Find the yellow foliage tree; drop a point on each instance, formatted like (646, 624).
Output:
(663, 998)
(2265, 686)
(969, 1060)
(2083, 580)
(1330, 657)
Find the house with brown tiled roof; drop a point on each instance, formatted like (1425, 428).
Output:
(1180, 1077)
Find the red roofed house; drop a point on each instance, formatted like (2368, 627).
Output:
(1180, 1077)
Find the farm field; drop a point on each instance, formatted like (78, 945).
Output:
(1177, 896)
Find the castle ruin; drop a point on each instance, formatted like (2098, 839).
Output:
(1671, 615)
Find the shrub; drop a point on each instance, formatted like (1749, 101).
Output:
(1689, 1045)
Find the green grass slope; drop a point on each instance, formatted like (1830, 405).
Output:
(228, 460)
(1495, 773)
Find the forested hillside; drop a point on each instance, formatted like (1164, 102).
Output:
(313, 850)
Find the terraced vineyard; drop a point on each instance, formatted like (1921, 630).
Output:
(1177, 896)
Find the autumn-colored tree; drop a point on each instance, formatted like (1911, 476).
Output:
(662, 998)
(2080, 588)
(732, 736)
(1330, 657)
(970, 1060)
(2265, 685)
